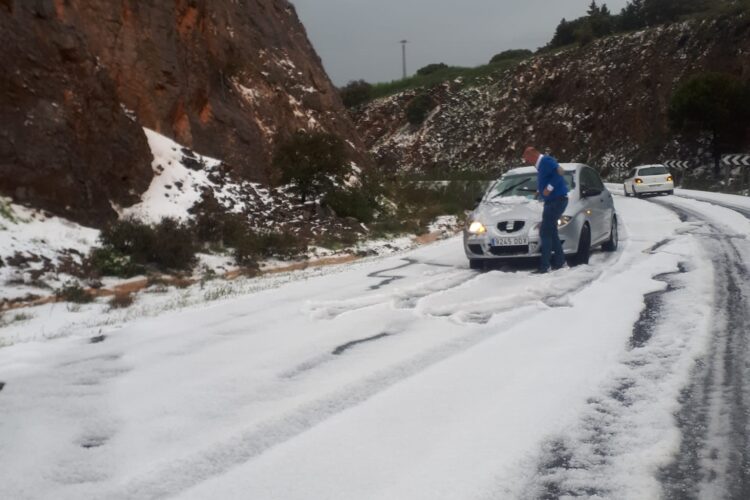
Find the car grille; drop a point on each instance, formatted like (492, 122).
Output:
(510, 250)
(511, 226)
(476, 249)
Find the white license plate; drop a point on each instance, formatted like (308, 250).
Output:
(655, 185)
(509, 242)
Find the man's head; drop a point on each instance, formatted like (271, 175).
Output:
(531, 155)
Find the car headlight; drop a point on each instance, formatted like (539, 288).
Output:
(564, 220)
(477, 227)
(669, 178)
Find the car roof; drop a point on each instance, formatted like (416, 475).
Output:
(568, 167)
(654, 165)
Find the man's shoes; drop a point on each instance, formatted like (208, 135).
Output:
(540, 271)
(563, 266)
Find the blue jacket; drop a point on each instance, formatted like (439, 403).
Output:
(547, 176)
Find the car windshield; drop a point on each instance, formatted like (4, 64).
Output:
(520, 185)
(652, 171)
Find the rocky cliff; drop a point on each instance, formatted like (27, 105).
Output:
(227, 78)
(605, 104)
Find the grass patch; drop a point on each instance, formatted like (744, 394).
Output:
(6, 212)
(121, 301)
(72, 291)
(417, 204)
(469, 77)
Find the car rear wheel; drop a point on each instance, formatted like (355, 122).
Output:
(611, 244)
(476, 264)
(584, 248)
(671, 191)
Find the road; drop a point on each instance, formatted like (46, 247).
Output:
(413, 377)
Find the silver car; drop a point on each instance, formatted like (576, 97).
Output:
(505, 224)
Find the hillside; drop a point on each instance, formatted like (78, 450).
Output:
(605, 103)
(82, 79)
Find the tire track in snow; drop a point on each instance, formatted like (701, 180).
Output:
(714, 456)
(256, 440)
(174, 478)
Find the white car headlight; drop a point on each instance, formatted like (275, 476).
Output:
(564, 220)
(477, 227)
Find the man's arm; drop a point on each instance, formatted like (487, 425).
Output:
(547, 169)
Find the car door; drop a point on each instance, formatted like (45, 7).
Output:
(593, 190)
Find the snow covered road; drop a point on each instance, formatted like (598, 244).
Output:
(412, 377)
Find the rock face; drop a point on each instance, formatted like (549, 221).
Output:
(227, 78)
(605, 104)
(65, 143)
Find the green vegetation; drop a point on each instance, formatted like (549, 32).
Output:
(513, 54)
(412, 205)
(263, 244)
(418, 108)
(313, 162)
(6, 212)
(716, 103)
(72, 291)
(355, 92)
(637, 14)
(129, 246)
(469, 77)
(431, 68)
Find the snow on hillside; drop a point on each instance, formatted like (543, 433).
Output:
(36, 250)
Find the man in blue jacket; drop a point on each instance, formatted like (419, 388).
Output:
(553, 190)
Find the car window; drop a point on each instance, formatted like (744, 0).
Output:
(520, 185)
(590, 179)
(657, 170)
(596, 179)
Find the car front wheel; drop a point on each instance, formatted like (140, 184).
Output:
(584, 247)
(625, 190)
(611, 244)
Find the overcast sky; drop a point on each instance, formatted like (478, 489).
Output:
(359, 38)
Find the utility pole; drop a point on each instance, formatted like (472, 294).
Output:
(403, 55)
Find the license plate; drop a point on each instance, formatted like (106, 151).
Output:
(509, 242)
(655, 185)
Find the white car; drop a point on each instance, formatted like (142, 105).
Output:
(648, 179)
(505, 223)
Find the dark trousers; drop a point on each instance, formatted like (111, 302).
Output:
(553, 210)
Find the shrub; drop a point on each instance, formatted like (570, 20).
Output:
(72, 291)
(715, 103)
(175, 245)
(355, 92)
(107, 261)
(352, 203)
(254, 246)
(121, 300)
(213, 224)
(314, 162)
(418, 109)
(510, 55)
(168, 245)
(431, 68)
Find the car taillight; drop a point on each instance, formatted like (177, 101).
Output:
(669, 178)
(639, 181)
